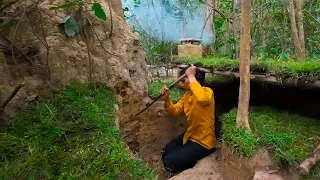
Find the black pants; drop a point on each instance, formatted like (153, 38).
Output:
(177, 157)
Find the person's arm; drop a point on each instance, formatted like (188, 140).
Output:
(172, 109)
(202, 95)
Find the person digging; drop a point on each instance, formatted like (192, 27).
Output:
(198, 105)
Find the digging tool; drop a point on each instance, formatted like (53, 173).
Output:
(169, 87)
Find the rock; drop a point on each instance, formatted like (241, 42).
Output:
(263, 175)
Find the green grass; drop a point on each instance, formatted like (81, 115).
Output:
(291, 137)
(271, 67)
(69, 135)
(217, 79)
(176, 93)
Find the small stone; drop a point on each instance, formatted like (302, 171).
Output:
(273, 171)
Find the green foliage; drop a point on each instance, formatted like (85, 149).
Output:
(69, 135)
(239, 139)
(70, 26)
(272, 67)
(291, 137)
(175, 93)
(98, 11)
(96, 8)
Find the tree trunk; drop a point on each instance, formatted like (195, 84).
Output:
(183, 21)
(209, 16)
(234, 52)
(244, 92)
(294, 31)
(301, 29)
(310, 162)
(213, 19)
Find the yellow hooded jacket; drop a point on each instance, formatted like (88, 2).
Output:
(198, 106)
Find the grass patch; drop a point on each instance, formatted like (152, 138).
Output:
(291, 137)
(69, 135)
(217, 79)
(271, 67)
(176, 93)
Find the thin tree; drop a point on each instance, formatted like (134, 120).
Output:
(244, 62)
(297, 33)
(234, 51)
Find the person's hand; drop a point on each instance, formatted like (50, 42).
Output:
(165, 92)
(191, 71)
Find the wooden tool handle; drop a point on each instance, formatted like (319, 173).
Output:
(177, 81)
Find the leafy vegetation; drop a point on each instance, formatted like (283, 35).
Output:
(96, 8)
(291, 137)
(271, 67)
(69, 135)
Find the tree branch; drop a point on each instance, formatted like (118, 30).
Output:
(111, 21)
(14, 92)
(311, 16)
(46, 42)
(309, 163)
(30, 60)
(15, 32)
(205, 24)
(95, 33)
(19, 12)
(217, 10)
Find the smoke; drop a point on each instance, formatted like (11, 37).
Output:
(164, 23)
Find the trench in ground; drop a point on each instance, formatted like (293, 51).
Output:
(148, 133)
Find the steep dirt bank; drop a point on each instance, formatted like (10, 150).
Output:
(147, 134)
(109, 53)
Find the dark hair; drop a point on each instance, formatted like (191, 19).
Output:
(200, 75)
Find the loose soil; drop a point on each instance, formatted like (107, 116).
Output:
(148, 133)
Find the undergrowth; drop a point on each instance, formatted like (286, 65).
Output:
(277, 68)
(291, 137)
(176, 92)
(69, 135)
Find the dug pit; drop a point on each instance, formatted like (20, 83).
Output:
(147, 134)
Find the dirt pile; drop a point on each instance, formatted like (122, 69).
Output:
(116, 60)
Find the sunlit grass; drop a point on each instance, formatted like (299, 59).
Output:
(271, 67)
(69, 135)
(291, 137)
